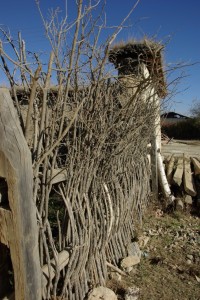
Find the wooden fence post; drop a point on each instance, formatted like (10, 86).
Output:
(18, 224)
(154, 167)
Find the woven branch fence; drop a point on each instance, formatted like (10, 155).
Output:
(91, 189)
(92, 213)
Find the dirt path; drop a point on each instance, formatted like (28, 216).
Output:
(178, 147)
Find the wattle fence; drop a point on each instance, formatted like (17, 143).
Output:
(64, 220)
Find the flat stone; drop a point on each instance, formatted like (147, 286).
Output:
(101, 292)
(134, 249)
(188, 199)
(116, 276)
(130, 261)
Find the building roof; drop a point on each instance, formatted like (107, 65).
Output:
(173, 115)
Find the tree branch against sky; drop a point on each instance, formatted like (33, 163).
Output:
(195, 109)
(167, 20)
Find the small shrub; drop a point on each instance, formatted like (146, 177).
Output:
(187, 130)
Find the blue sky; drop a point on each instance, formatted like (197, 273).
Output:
(174, 22)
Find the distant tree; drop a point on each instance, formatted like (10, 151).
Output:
(195, 110)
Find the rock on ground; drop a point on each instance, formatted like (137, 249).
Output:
(130, 261)
(188, 199)
(102, 293)
(134, 249)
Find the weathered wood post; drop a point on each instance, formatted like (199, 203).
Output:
(18, 224)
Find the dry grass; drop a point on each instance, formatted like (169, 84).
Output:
(164, 273)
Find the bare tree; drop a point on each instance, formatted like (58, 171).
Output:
(195, 110)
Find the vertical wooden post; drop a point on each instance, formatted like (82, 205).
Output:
(18, 224)
(154, 166)
(155, 142)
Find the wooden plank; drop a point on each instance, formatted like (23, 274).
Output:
(188, 180)
(196, 165)
(22, 236)
(170, 169)
(178, 174)
(58, 175)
